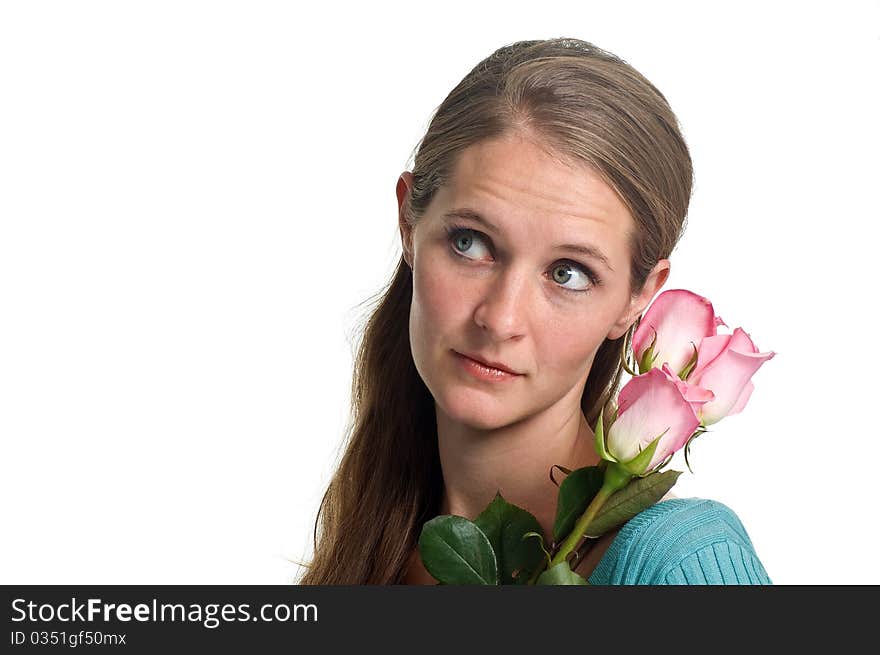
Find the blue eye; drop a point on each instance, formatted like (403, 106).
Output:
(567, 275)
(462, 240)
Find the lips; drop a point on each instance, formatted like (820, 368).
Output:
(488, 362)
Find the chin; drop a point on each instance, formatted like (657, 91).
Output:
(474, 409)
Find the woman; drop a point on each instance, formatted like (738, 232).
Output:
(546, 197)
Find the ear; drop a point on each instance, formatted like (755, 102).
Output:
(404, 189)
(656, 279)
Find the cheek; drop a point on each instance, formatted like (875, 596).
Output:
(433, 295)
(436, 297)
(566, 348)
(438, 306)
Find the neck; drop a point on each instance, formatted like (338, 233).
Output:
(514, 460)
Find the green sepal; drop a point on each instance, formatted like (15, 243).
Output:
(638, 495)
(599, 433)
(639, 464)
(686, 371)
(701, 429)
(561, 574)
(456, 551)
(504, 524)
(659, 466)
(623, 358)
(647, 360)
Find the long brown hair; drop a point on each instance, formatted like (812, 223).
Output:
(586, 104)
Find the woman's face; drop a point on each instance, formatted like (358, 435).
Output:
(496, 276)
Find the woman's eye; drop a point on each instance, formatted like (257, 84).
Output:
(569, 276)
(565, 273)
(463, 242)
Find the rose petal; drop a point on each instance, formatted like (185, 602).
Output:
(742, 342)
(680, 318)
(707, 352)
(648, 405)
(693, 393)
(743, 398)
(727, 376)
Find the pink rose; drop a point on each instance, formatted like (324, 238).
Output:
(650, 405)
(691, 392)
(680, 319)
(725, 365)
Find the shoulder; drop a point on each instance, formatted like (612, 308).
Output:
(682, 541)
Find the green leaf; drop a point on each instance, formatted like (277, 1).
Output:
(575, 494)
(638, 495)
(540, 537)
(561, 468)
(455, 551)
(561, 574)
(524, 575)
(505, 525)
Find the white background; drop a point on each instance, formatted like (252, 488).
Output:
(196, 196)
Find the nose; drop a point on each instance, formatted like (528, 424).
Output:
(503, 309)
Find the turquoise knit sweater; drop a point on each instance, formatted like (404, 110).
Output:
(681, 541)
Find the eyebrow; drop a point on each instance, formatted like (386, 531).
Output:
(471, 215)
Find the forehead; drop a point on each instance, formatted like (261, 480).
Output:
(522, 188)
